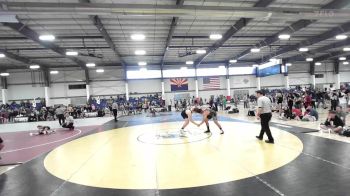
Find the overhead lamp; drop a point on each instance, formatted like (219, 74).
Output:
(284, 36)
(4, 74)
(2, 55)
(47, 37)
(233, 61)
(143, 69)
(346, 49)
(341, 37)
(183, 68)
(90, 65)
(309, 59)
(273, 59)
(215, 36)
(318, 63)
(342, 58)
(138, 37)
(72, 53)
(142, 63)
(255, 65)
(345, 63)
(289, 64)
(34, 66)
(100, 70)
(54, 72)
(255, 50)
(303, 49)
(189, 62)
(201, 51)
(140, 52)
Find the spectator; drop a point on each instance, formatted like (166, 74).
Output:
(310, 114)
(333, 123)
(69, 122)
(334, 100)
(341, 114)
(297, 113)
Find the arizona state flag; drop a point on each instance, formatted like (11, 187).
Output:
(179, 84)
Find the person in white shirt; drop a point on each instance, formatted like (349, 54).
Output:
(264, 114)
(69, 122)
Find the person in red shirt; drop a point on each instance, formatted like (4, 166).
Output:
(307, 100)
(297, 113)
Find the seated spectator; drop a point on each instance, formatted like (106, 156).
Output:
(43, 130)
(341, 114)
(297, 113)
(310, 114)
(69, 122)
(333, 123)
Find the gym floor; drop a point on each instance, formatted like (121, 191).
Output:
(142, 155)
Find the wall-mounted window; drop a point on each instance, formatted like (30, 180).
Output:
(242, 70)
(143, 74)
(220, 71)
(174, 73)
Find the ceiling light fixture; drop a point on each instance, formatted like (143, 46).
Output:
(54, 72)
(346, 49)
(201, 51)
(255, 50)
(342, 58)
(255, 65)
(4, 74)
(47, 37)
(90, 65)
(289, 64)
(345, 63)
(183, 68)
(2, 55)
(34, 66)
(72, 53)
(189, 62)
(309, 59)
(142, 63)
(233, 61)
(284, 36)
(341, 37)
(215, 36)
(100, 70)
(140, 52)
(138, 37)
(318, 63)
(303, 49)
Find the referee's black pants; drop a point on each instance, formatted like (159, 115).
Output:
(265, 128)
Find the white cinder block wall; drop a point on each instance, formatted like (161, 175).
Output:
(28, 85)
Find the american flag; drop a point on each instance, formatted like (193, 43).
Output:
(211, 82)
(179, 84)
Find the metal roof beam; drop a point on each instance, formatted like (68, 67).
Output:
(170, 34)
(242, 22)
(324, 36)
(318, 50)
(34, 36)
(336, 4)
(288, 30)
(285, 13)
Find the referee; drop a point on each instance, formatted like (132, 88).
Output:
(264, 114)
